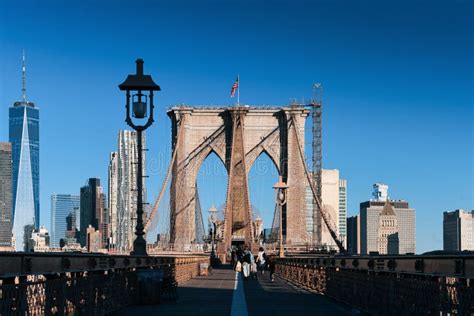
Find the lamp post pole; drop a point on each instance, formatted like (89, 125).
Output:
(139, 244)
(140, 83)
(280, 197)
(213, 239)
(281, 252)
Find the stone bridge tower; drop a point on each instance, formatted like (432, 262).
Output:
(238, 136)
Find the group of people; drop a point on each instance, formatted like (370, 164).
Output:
(243, 260)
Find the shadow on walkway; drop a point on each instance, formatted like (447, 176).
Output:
(282, 298)
(212, 296)
(203, 295)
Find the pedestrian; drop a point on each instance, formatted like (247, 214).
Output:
(238, 259)
(233, 257)
(253, 266)
(246, 260)
(271, 267)
(239, 253)
(261, 260)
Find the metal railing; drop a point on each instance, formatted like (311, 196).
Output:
(67, 284)
(388, 285)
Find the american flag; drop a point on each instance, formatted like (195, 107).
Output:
(235, 86)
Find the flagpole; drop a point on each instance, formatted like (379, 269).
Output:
(238, 90)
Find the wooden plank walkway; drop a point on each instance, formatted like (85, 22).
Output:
(221, 294)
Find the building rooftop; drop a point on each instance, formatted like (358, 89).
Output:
(5, 146)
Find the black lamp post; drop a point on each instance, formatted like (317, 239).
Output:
(280, 198)
(214, 228)
(142, 87)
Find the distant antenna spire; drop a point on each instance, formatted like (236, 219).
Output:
(23, 70)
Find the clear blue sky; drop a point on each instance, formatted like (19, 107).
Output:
(398, 80)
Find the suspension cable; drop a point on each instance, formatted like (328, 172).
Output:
(165, 182)
(325, 215)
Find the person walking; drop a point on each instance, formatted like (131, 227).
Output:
(246, 260)
(238, 255)
(233, 257)
(261, 260)
(271, 268)
(253, 266)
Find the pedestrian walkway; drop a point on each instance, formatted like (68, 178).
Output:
(225, 293)
(264, 297)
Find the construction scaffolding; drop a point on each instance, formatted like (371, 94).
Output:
(317, 144)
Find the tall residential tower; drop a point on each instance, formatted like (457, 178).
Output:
(113, 194)
(125, 182)
(24, 137)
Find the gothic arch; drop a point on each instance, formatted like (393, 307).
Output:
(202, 157)
(238, 136)
(263, 151)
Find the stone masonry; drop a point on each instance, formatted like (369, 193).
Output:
(238, 136)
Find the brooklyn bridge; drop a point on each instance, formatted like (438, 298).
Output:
(184, 276)
(181, 279)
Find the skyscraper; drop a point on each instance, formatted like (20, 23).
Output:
(93, 211)
(61, 206)
(387, 241)
(24, 137)
(370, 212)
(343, 210)
(353, 235)
(330, 198)
(334, 199)
(5, 195)
(126, 189)
(70, 235)
(458, 230)
(113, 193)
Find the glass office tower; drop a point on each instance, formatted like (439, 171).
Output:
(61, 206)
(24, 137)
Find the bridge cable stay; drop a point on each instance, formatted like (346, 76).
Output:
(198, 217)
(189, 160)
(266, 143)
(189, 163)
(164, 185)
(275, 224)
(324, 213)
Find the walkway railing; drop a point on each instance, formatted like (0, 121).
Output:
(66, 283)
(388, 285)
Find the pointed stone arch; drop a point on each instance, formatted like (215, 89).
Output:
(274, 157)
(238, 136)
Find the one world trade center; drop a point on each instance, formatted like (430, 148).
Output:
(24, 137)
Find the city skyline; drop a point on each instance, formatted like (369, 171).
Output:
(415, 119)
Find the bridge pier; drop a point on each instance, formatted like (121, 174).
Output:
(238, 136)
